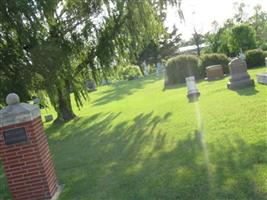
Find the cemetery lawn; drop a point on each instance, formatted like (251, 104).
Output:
(134, 140)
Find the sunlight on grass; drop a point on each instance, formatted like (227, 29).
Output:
(134, 140)
(201, 134)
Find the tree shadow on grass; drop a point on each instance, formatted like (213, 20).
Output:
(178, 85)
(249, 91)
(211, 81)
(171, 87)
(122, 89)
(236, 173)
(130, 160)
(96, 159)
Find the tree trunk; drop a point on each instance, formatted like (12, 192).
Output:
(63, 107)
(198, 49)
(141, 69)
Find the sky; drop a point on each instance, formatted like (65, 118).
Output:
(201, 14)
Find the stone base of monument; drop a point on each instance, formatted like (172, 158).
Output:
(262, 78)
(232, 85)
(193, 97)
(58, 192)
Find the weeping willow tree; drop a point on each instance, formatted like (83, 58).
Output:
(55, 45)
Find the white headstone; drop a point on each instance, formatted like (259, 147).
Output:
(193, 92)
(191, 85)
(158, 68)
(145, 68)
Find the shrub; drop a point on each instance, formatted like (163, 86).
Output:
(263, 46)
(213, 59)
(131, 72)
(255, 57)
(180, 67)
(242, 37)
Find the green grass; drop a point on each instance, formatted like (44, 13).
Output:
(134, 140)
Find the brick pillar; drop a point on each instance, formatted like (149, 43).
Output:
(25, 153)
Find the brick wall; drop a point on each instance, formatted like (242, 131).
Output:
(28, 167)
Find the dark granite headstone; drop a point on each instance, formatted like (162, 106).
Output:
(239, 75)
(91, 85)
(48, 118)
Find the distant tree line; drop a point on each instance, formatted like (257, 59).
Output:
(239, 32)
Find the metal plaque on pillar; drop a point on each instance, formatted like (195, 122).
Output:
(15, 136)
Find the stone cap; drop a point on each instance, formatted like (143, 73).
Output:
(17, 112)
(190, 78)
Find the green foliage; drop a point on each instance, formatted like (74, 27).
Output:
(213, 59)
(197, 40)
(255, 58)
(224, 42)
(164, 48)
(259, 23)
(241, 37)
(263, 46)
(15, 85)
(130, 72)
(180, 67)
(235, 33)
(231, 39)
(68, 41)
(218, 41)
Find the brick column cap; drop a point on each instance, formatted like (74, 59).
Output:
(17, 112)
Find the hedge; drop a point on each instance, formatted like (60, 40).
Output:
(180, 67)
(213, 59)
(255, 58)
(131, 72)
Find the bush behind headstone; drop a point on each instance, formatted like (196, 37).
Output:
(255, 58)
(131, 72)
(180, 67)
(213, 59)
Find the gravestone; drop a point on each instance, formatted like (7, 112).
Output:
(158, 68)
(192, 91)
(262, 78)
(214, 72)
(91, 85)
(239, 75)
(48, 118)
(145, 68)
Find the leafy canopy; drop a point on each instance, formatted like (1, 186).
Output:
(55, 45)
